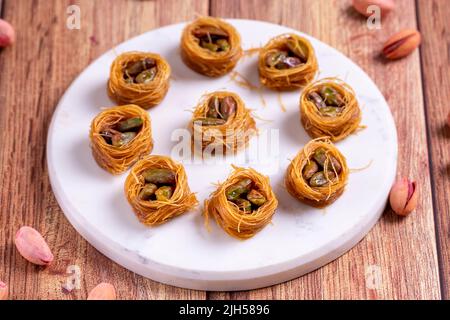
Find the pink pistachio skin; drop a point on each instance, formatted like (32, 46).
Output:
(103, 291)
(3, 291)
(7, 34)
(385, 6)
(32, 246)
(403, 196)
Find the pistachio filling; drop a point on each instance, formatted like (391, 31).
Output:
(141, 71)
(294, 55)
(328, 101)
(245, 196)
(212, 38)
(314, 170)
(159, 184)
(218, 112)
(122, 132)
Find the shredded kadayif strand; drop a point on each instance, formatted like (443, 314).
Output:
(204, 61)
(337, 128)
(157, 212)
(227, 214)
(299, 188)
(118, 159)
(145, 95)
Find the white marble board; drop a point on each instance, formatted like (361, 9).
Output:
(182, 252)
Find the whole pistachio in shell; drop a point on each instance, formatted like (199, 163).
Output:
(3, 291)
(7, 34)
(403, 196)
(385, 6)
(401, 44)
(103, 291)
(32, 246)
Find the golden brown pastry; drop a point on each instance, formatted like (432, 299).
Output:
(328, 107)
(287, 62)
(243, 204)
(210, 46)
(120, 136)
(157, 190)
(139, 78)
(318, 174)
(222, 120)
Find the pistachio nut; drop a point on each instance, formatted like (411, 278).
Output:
(146, 76)
(234, 191)
(164, 193)
(403, 196)
(3, 291)
(205, 122)
(159, 176)
(401, 44)
(213, 108)
(130, 124)
(122, 139)
(362, 6)
(319, 179)
(256, 198)
(331, 96)
(103, 291)
(317, 100)
(227, 107)
(310, 169)
(148, 191)
(244, 205)
(32, 246)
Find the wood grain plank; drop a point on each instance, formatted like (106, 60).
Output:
(403, 250)
(34, 74)
(435, 50)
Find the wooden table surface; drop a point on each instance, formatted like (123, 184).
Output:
(411, 255)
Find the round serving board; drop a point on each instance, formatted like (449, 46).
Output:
(182, 252)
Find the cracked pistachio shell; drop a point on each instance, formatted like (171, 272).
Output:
(385, 6)
(3, 291)
(32, 246)
(103, 291)
(403, 196)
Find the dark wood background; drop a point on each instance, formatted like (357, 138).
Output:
(412, 253)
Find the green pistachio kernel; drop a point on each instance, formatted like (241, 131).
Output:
(164, 193)
(130, 124)
(147, 191)
(234, 191)
(256, 198)
(244, 205)
(159, 176)
(310, 169)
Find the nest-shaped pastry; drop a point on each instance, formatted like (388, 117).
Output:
(225, 131)
(118, 157)
(147, 90)
(153, 211)
(321, 118)
(201, 52)
(287, 62)
(318, 174)
(231, 215)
